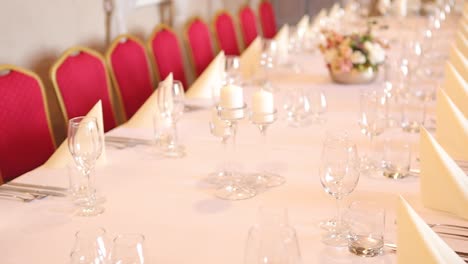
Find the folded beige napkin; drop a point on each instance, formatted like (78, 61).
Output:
(456, 88)
(250, 58)
(62, 157)
(452, 127)
(334, 9)
(459, 62)
(321, 15)
(444, 185)
(303, 24)
(462, 43)
(417, 242)
(212, 75)
(282, 40)
(143, 118)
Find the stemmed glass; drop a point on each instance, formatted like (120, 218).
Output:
(219, 129)
(232, 70)
(339, 175)
(90, 247)
(266, 178)
(373, 121)
(85, 144)
(272, 240)
(128, 249)
(298, 107)
(171, 107)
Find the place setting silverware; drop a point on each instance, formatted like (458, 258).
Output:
(37, 186)
(454, 231)
(16, 196)
(123, 142)
(33, 192)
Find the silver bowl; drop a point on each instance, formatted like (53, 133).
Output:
(354, 76)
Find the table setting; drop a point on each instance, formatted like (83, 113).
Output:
(301, 150)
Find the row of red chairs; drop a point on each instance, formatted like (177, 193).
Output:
(82, 76)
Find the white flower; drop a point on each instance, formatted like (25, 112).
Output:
(383, 6)
(330, 55)
(375, 51)
(357, 57)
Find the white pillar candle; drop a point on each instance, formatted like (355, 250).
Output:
(262, 102)
(232, 96)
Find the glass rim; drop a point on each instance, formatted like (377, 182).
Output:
(99, 231)
(132, 236)
(77, 120)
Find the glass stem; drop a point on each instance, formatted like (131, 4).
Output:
(174, 133)
(263, 131)
(90, 190)
(338, 212)
(226, 159)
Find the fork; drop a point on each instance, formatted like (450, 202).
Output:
(21, 198)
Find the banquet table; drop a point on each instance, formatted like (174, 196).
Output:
(171, 204)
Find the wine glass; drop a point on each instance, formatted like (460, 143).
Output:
(89, 247)
(298, 107)
(268, 61)
(128, 249)
(339, 175)
(373, 121)
(219, 129)
(171, 107)
(272, 240)
(85, 144)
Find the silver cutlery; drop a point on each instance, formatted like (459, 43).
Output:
(32, 191)
(447, 227)
(128, 140)
(37, 186)
(15, 196)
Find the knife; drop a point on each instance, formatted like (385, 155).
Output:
(25, 190)
(127, 140)
(38, 186)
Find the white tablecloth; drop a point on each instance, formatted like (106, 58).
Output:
(168, 201)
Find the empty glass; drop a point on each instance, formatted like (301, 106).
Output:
(366, 229)
(272, 240)
(171, 107)
(339, 175)
(298, 107)
(90, 247)
(373, 121)
(85, 144)
(318, 105)
(220, 129)
(396, 158)
(268, 62)
(128, 249)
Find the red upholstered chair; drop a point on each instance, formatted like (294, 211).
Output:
(130, 72)
(80, 79)
(166, 54)
(26, 139)
(267, 19)
(197, 35)
(248, 24)
(225, 33)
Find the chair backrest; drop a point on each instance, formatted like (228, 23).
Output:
(225, 32)
(166, 54)
(197, 34)
(248, 24)
(267, 19)
(80, 79)
(130, 72)
(26, 139)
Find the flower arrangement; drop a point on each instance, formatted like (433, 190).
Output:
(358, 52)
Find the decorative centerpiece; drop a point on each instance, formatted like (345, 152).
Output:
(352, 59)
